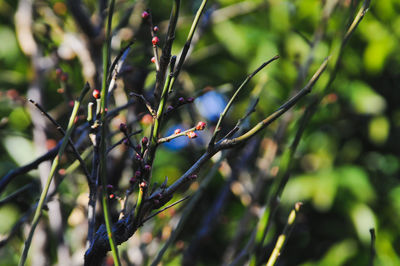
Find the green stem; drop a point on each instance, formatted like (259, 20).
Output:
(103, 150)
(187, 44)
(54, 167)
(284, 236)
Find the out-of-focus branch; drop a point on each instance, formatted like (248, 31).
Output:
(82, 17)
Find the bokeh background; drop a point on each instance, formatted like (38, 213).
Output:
(346, 169)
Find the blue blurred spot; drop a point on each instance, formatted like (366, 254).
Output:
(210, 105)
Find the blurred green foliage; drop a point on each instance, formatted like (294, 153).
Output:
(347, 167)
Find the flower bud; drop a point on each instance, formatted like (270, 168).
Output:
(96, 93)
(145, 14)
(177, 131)
(190, 100)
(155, 29)
(147, 168)
(191, 135)
(143, 184)
(59, 72)
(64, 77)
(153, 59)
(155, 40)
(145, 140)
(201, 125)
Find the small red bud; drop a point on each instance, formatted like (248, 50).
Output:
(138, 174)
(190, 99)
(71, 103)
(145, 14)
(96, 93)
(153, 59)
(112, 196)
(143, 184)
(147, 167)
(59, 72)
(191, 135)
(64, 77)
(155, 29)
(145, 140)
(155, 40)
(201, 125)
(123, 127)
(177, 131)
(170, 108)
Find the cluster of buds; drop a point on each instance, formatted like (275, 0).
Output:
(63, 76)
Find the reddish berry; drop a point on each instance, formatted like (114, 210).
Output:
(201, 125)
(64, 77)
(155, 40)
(96, 94)
(112, 196)
(147, 167)
(191, 135)
(145, 14)
(153, 59)
(155, 29)
(138, 174)
(123, 127)
(190, 99)
(177, 131)
(145, 140)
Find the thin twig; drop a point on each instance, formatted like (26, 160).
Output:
(228, 106)
(165, 208)
(38, 212)
(281, 241)
(62, 131)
